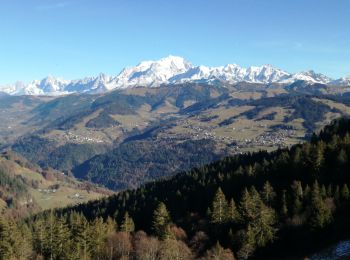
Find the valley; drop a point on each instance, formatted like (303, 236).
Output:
(174, 130)
(76, 133)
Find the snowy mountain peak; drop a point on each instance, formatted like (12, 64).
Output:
(152, 73)
(167, 71)
(50, 84)
(344, 81)
(311, 76)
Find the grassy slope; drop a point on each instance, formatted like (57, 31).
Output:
(40, 193)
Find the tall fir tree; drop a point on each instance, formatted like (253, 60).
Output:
(128, 224)
(161, 222)
(320, 214)
(219, 208)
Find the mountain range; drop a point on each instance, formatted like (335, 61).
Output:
(171, 70)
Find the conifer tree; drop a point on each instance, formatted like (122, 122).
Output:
(161, 222)
(6, 250)
(297, 196)
(268, 194)
(98, 234)
(284, 206)
(111, 225)
(317, 157)
(232, 212)
(219, 208)
(39, 236)
(342, 157)
(128, 224)
(245, 206)
(320, 214)
(248, 244)
(80, 232)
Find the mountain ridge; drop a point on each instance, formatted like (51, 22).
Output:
(170, 70)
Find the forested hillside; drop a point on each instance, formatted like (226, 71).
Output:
(123, 139)
(286, 203)
(25, 188)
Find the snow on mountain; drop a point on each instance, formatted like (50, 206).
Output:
(152, 73)
(265, 74)
(232, 73)
(54, 86)
(167, 71)
(101, 83)
(309, 76)
(344, 81)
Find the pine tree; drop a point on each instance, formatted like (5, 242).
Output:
(317, 157)
(62, 244)
(98, 234)
(268, 194)
(320, 214)
(246, 207)
(342, 157)
(111, 225)
(6, 250)
(80, 232)
(232, 212)
(128, 224)
(39, 236)
(161, 222)
(248, 244)
(297, 196)
(259, 219)
(219, 208)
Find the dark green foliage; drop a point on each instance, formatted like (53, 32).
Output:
(11, 184)
(70, 155)
(320, 214)
(133, 163)
(219, 208)
(283, 195)
(34, 148)
(15, 240)
(128, 224)
(103, 120)
(288, 202)
(161, 222)
(47, 153)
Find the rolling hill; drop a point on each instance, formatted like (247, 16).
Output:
(283, 204)
(25, 188)
(93, 136)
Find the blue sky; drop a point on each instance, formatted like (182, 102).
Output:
(77, 38)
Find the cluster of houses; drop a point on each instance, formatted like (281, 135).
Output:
(74, 138)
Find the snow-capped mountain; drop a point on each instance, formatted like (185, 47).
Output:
(167, 71)
(152, 73)
(344, 81)
(309, 76)
(101, 83)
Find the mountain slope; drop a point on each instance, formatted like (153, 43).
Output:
(104, 137)
(26, 188)
(281, 204)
